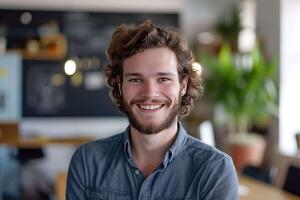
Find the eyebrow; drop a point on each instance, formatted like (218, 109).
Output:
(166, 74)
(157, 74)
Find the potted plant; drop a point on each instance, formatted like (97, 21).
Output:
(243, 87)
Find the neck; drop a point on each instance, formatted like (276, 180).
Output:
(149, 149)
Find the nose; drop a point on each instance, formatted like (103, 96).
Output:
(150, 89)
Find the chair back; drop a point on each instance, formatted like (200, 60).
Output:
(266, 175)
(292, 181)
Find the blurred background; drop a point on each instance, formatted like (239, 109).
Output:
(53, 95)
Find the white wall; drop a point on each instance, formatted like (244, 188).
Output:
(289, 75)
(97, 5)
(268, 25)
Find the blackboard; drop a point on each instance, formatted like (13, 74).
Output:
(89, 33)
(42, 97)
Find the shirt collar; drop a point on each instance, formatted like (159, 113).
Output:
(127, 145)
(170, 154)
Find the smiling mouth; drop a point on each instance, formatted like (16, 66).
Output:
(150, 107)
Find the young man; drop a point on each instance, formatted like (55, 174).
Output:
(152, 80)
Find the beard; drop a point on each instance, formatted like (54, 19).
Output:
(152, 129)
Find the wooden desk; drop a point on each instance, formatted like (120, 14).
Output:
(9, 135)
(251, 189)
(41, 142)
(60, 186)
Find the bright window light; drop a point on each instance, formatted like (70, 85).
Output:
(289, 112)
(70, 67)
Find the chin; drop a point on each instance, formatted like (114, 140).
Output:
(152, 128)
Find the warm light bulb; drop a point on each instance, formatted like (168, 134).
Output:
(26, 18)
(197, 67)
(70, 67)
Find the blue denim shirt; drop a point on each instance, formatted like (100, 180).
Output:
(104, 169)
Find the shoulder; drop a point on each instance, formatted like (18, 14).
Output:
(199, 152)
(99, 148)
(218, 178)
(90, 157)
(203, 153)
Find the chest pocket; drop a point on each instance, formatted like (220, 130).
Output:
(107, 194)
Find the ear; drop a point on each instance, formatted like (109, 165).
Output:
(119, 85)
(183, 86)
(120, 89)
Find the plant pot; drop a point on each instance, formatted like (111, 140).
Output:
(246, 149)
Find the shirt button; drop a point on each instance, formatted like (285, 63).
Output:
(137, 172)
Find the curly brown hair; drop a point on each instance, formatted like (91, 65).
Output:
(128, 40)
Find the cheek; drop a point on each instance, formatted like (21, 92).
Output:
(172, 92)
(129, 92)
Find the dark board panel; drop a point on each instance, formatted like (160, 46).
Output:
(90, 33)
(48, 92)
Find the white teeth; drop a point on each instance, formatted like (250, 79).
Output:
(150, 107)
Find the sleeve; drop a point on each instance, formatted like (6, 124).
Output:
(76, 184)
(221, 180)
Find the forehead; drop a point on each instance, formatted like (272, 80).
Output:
(151, 61)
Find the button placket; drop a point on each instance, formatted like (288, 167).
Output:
(137, 172)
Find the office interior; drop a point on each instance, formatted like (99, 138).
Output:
(53, 95)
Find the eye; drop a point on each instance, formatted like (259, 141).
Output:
(163, 79)
(135, 80)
